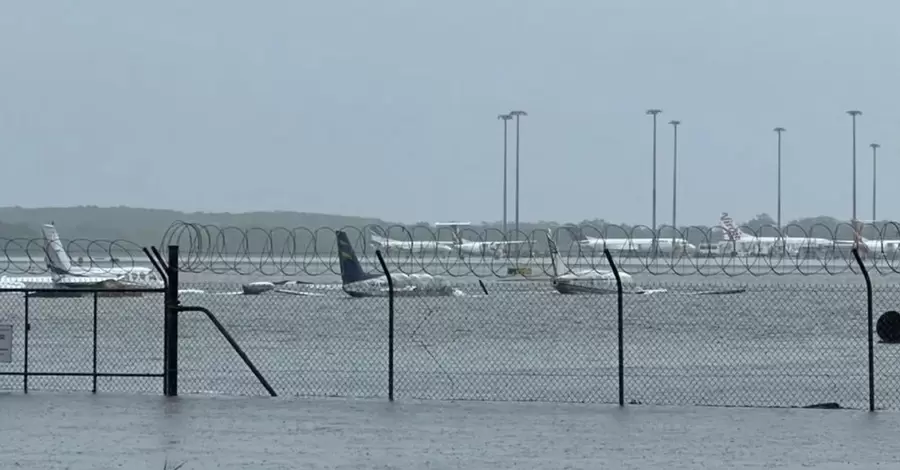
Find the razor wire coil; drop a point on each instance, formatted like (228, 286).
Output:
(302, 251)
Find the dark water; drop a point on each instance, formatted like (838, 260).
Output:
(81, 431)
(775, 345)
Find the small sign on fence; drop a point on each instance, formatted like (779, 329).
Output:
(6, 342)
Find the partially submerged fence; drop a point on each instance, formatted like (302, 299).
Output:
(94, 339)
(775, 344)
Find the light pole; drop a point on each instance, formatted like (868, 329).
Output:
(517, 114)
(874, 179)
(654, 112)
(674, 174)
(779, 130)
(505, 118)
(853, 114)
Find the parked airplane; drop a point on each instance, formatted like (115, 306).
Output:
(385, 244)
(357, 283)
(586, 281)
(745, 243)
(870, 246)
(63, 274)
(665, 245)
(591, 281)
(482, 249)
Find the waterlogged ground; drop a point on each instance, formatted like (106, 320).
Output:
(83, 431)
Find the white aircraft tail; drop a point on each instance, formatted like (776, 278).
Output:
(727, 223)
(58, 261)
(859, 241)
(377, 237)
(559, 267)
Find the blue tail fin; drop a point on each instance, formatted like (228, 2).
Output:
(351, 270)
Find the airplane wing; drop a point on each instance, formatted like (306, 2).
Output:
(721, 292)
(280, 291)
(298, 292)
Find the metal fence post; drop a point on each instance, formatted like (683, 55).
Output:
(865, 273)
(25, 355)
(390, 280)
(94, 378)
(619, 308)
(171, 325)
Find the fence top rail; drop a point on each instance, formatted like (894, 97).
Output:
(146, 290)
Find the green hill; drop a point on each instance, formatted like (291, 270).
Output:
(146, 227)
(17, 231)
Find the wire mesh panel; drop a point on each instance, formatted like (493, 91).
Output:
(71, 341)
(60, 340)
(12, 312)
(130, 343)
(772, 345)
(311, 343)
(520, 341)
(886, 302)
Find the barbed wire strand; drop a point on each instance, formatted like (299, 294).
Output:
(302, 251)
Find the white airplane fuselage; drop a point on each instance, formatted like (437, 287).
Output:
(637, 245)
(411, 246)
(495, 249)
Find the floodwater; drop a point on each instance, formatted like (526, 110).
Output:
(83, 431)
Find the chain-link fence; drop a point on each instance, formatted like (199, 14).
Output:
(687, 344)
(92, 340)
(703, 344)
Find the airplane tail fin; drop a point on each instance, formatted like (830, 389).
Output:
(58, 261)
(858, 240)
(727, 224)
(457, 236)
(559, 267)
(351, 270)
(377, 235)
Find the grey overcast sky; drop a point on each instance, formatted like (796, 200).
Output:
(389, 109)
